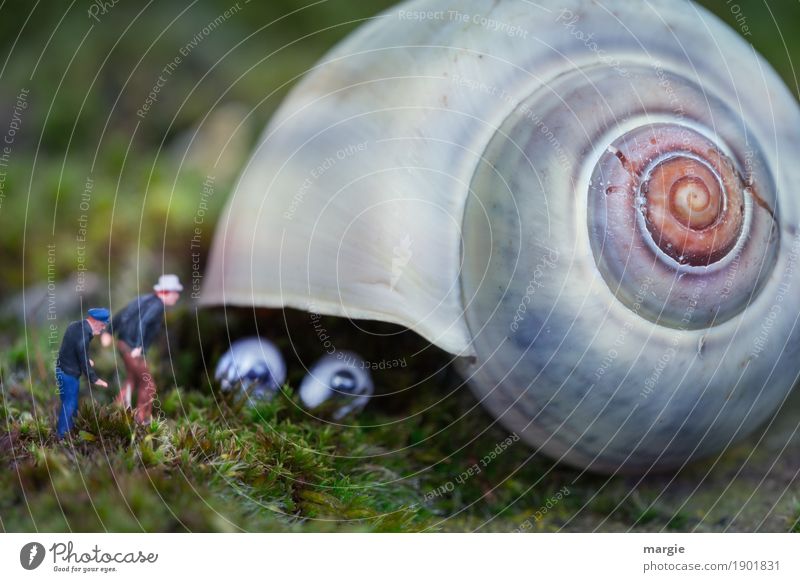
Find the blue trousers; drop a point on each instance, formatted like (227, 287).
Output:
(68, 387)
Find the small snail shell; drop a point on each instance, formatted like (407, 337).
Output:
(338, 383)
(598, 211)
(252, 366)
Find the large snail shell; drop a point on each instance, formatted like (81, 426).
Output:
(595, 201)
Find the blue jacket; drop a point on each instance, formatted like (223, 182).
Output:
(73, 356)
(139, 322)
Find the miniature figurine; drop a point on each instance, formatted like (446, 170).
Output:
(136, 326)
(73, 360)
(337, 385)
(254, 366)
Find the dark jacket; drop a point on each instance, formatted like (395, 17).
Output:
(139, 322)
(73, 357)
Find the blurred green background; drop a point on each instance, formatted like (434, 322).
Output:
(82, 150)
(87, 77)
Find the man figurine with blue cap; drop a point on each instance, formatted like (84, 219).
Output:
(73, 360)
(136, 326)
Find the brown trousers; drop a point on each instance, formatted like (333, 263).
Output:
(138, 376)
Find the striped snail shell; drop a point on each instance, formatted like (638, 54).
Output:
(594, 204)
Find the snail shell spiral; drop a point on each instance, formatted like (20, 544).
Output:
(601, 202)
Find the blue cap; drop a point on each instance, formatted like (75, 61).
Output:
(100, 314)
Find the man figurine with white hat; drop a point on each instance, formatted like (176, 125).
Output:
(74, 361)
(136, 326)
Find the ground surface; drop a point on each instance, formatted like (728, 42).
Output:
(212, 465)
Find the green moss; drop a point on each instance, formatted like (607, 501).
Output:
(794, 518)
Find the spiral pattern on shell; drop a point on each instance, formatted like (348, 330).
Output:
(647, 237)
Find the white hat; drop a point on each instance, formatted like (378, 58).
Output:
(168, 283)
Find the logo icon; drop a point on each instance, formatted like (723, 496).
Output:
(31, 555)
